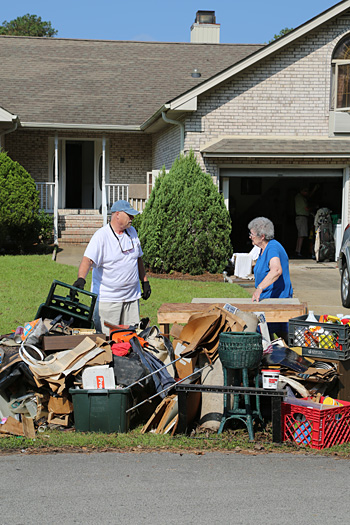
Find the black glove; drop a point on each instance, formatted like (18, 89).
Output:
(79, 283)
(146, 290)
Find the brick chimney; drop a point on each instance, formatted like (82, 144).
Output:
(205, 30)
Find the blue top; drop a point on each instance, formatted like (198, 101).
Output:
(283, 286)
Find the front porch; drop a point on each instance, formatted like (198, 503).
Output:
(76, 226)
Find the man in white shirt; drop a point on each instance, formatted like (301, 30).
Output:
(115, 255)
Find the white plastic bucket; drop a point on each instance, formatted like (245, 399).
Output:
(270, 379)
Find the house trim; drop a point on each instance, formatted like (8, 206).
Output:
(86, 127)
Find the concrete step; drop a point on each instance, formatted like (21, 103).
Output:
(86, 223)
(77, 212)
(78, 226)
(67, 238)
(79, 231)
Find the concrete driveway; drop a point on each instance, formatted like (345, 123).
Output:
(317, 284)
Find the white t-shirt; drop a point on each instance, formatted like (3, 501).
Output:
(115, 274)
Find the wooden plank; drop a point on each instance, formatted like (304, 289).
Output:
(170, 313)
(66, 342)
(245, 300)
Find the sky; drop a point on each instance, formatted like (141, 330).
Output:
(242, 21)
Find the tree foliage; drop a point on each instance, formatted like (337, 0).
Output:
(20, 221)
(281, 33)
(28, 25)
(185, 225)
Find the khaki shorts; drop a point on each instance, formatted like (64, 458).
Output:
(115, 313)
(302, 227)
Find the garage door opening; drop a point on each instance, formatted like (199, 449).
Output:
(271, 193)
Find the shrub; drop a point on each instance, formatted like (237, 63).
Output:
(19, 204)
(44, 227)
(185, 225)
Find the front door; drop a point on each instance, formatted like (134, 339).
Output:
(79, 163)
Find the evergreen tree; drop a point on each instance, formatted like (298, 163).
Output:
(185, 225)
(19, 204)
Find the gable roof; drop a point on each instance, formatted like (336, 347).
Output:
(97, 84)
(262, 53)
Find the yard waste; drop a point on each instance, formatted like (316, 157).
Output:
(55, 373)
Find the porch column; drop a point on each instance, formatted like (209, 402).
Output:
(226, 191)
(55, 203)
(104, 200)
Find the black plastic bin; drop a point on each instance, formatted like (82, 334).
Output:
(56, 304)
(331, 342)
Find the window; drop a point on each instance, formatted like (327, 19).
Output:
(341, 76)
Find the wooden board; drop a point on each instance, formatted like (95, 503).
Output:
(66, 342)
(170, 313)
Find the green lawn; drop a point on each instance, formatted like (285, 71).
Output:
(25, 282)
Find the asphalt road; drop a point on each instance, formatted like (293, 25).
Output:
(173, 489)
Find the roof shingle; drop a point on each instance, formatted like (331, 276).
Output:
(103, 82)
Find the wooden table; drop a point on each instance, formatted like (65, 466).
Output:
(280, 312)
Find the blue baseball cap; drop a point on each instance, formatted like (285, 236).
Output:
(124, 206)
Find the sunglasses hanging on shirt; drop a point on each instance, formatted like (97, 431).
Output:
(124, 249)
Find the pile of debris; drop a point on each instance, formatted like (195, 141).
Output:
(50, 364)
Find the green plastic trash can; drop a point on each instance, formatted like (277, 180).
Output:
(101, 410)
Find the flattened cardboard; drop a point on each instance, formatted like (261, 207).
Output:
(185, 366)
(12, 426)
(28, 427)
(60, 405)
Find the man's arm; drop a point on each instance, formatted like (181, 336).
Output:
(83, 270)
(84, 267)
(146, 287)
(142, 271)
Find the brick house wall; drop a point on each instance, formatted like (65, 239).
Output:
(30, 149)
(166, 147)
(285, 95)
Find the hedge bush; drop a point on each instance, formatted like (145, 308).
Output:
(19, 205)
(185, 225)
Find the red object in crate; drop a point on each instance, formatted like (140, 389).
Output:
(316, 427)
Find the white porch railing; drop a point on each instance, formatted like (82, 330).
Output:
(46, 195)
(116, 192)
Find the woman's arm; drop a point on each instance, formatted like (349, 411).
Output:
(271, 277)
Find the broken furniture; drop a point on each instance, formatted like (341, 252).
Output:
(240, 352)
(183, 390)
(68, 306)
(275, 312)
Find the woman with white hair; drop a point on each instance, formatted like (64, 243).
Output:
(271, 270)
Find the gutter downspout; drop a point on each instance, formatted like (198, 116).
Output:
(8, 131)
(182, 129)
(104, 199)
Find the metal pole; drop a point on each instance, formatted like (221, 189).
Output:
(151, 374)
(166, 389)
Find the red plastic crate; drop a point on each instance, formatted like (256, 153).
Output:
(314, 427)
